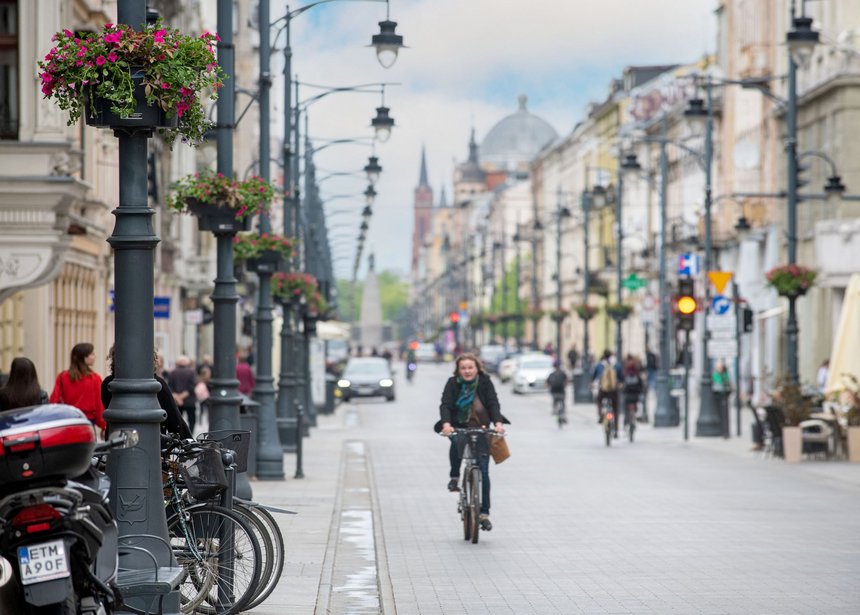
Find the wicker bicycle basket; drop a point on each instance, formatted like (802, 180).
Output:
(203, 472)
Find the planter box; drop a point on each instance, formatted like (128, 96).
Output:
(853, 444)
(792, 444)
(269, 261)
(100, 115)
(217, 218)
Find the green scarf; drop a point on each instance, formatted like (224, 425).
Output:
(466, 399)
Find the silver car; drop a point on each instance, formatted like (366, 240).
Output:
(366, 377)
(531, 373)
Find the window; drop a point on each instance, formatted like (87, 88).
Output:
(8, 69)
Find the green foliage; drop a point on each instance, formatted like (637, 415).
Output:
(246, 198)
(393, 295)
(176, 70)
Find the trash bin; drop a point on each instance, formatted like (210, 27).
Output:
(330, 386)
(248, 420)
(581, 387)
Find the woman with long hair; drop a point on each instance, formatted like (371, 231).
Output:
(469, 400)
(22, 389)
(80, 385)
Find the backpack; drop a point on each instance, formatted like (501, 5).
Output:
(608, 379)
(632, 383)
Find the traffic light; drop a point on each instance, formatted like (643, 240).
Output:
(454, 317)
(748, 320)
(686, 305)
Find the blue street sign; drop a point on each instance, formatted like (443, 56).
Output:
(161, 307)
(720, 304)
(688, 265)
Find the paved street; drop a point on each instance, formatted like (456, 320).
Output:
(657, 526)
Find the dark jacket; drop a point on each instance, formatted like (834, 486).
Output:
(486, 393)
(174, 423)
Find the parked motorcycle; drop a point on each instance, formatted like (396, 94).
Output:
(58, 536)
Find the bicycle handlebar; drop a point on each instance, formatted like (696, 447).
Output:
(473, 430)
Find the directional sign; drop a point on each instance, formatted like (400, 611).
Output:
(720, 304)
(722, 349)
(634, 282)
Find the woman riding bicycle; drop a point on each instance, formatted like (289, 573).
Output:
(469, 400)
(632, 387)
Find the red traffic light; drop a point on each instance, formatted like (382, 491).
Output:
(454, 317)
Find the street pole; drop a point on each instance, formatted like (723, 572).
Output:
(583, 395)
(665, 414)
(225, 399)
(270, 458)
(709, 422)
(287, 411)
(558, 274)
(518, 322)
(738, 333)
(535, 298)
(791, 328)
(619, 257)
(136, 472)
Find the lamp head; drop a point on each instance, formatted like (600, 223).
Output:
(834, 190)
(382, 124)
(801, 40)
(370, 195)
(696, 112)
(742, 226)
(373, 170)
(366, 212)
(387, 43)
(598, 196)
(630, 163)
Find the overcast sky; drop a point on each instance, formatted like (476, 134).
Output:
(466, 62)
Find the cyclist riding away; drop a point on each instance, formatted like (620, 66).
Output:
(469, 400)
(557, 381)
(632, 388)
(607, 374)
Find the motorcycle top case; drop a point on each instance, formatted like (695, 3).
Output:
(52, 440)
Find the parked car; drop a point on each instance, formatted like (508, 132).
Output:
(490, 355)
(508, 365)
(366, 377)
(425, 352)
(531, 373)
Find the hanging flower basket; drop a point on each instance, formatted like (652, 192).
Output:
(492, 319)
(585, 311)
(476, 320)
(220, 203)
(294, 288)
(533, 313)
(559, 315)
(127, 79)
(619, 311)
(262, 253)
(791, 280)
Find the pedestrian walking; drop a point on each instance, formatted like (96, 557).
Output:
(572, 357)
(22, 388)
(181, 382)
(80, 385)
(245, 375)
(173, 423)
(721, 385)
(822, 376)
(201, 393)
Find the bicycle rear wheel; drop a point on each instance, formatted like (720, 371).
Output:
(197, 539)
(475, 502)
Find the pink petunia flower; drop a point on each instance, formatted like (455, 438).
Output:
(158, 37)
(112, 57)
(100, 60)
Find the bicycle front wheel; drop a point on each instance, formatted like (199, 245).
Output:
(222, 577)
(275, 551)
(475, 501)
(465, 507)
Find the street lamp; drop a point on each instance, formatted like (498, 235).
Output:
(387, 42)
(560, 213)
(382, 124)
(372, 169)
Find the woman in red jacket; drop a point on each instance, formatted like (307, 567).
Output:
(80, 386)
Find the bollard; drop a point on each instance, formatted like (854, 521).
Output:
(299, 440)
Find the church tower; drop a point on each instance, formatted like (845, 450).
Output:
(423, 208)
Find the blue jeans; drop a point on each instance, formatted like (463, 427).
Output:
(483, 463)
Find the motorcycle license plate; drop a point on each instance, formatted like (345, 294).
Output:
(43, 562)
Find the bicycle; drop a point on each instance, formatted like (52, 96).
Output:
(607, 418)
(558, 409)
(630, 407)
(469, 504)
(217, 546)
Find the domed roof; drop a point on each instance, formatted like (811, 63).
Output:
(516, 139)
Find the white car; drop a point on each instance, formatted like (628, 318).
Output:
(531, 373)
(507, 366)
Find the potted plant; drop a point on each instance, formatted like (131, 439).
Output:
(585, 311)
(262, 253)
(791, 280)
(559, 315)
(220, 203)
(533, 313)
(126, 78)
(618, 311)
(796, 408)
(294, 287)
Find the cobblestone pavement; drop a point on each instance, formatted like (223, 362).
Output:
(655, 526)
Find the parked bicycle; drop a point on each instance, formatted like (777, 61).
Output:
(469, 504)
